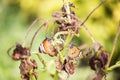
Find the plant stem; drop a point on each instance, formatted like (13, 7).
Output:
(41, 59)
(113, 67)
(31, 76)
(93, 11)
(89, 33)
(44, 24)
(85, 27)
(66, 44)
(114, 45)
(58, 34)
(67, 41)
(56, 75)
(62, 33)
(29, 29)
(31, 26)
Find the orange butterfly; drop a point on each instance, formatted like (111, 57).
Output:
(48, 48)
(74, 52)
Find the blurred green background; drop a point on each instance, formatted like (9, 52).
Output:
(17, 15)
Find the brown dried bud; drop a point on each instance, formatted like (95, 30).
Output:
(57, 14)
(20, 52)
(71, 4)
(95, 63)
(100, 74)
(59, 65)
(67, 66)
(25, 67)
(104, 57)
(70, 67)
(97, 46)
(99, 62)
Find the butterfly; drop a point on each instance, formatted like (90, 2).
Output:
(47, 47)
(74, 52)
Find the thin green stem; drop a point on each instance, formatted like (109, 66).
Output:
(68, 40)
(85, 27)
(44, 24)
(56, 75)
(113, 67)
(66, 44)
(114, 45)
(58, 34)
(62, 33)
(31, 26)
(29, 29)
(93, 11)
(31, 76)
(41, 60)
(89, 33)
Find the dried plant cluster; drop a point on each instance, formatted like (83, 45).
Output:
(59, 45)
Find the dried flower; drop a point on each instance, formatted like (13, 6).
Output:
(97, 46)
(25, 67)
(59, 65)
(67, 66)
(20, 52)
(65, 23)
(99, 58)
(99, 62)
(100, 74)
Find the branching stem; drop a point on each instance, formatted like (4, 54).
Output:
(117, 65)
